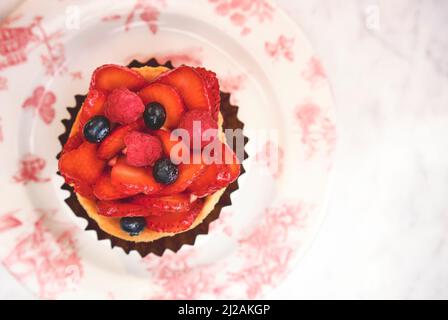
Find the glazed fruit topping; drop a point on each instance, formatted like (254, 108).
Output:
(96, 129)
(201, 128)
(114, 143)
(93, 106)
(124, 106)
(164, 204)
(165, 171)
(190, 85)
(134, 179)
(82, 164)
(142, 149)
(128, 157)
(169, 98)
(133, 225)
(176, 221)
(154, 115)
(110, 77)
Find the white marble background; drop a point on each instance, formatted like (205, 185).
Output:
(386, 231)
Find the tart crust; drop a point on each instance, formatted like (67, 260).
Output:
(112, 225)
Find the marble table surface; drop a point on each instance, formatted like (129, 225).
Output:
(386, 231)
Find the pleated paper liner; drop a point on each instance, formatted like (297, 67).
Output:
(174, 243)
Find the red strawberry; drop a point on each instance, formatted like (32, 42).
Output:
(105, 190)
(196, 123)
(175, 222)
(133, 179)
(217, 175)
(93, 105)
(212, 86)
(187, 174)
(174, 203)
(109, 77)
(142, 149)
(190, 85)
(82, 164)
(169, 98)
(124, 106)
(118, 209)
(168, 145)
(83, 189)
(73, 142)
(114, 143)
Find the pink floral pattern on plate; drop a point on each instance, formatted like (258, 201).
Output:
(9, 221)
(316, 128)
(42, 102)
(146, 11)
(282, 47)
(241, 12)
(30, 168)
(315, 73)
(52, 263)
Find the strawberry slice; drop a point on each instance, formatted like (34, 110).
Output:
(118, 209)
(73, 142)
(114, 143)
(187, 174)
(169, 98)
(190, 85)
(110, 76)
(93, 105)
(217, 175)
(212, 87)
(132, 179)
(175, 222)
(168, 145)
(105, 190)
(82, 164)
(162, 205)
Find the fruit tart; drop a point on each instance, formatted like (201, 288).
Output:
(145, 157)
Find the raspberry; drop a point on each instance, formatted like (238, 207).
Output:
(212, 87)
(142, 149)
(196, 122)
(124, 106)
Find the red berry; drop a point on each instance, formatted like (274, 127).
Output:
(109, 77)
(142, 149)
(196, 123)
(124, 106)
(175, 222)
(212, 87)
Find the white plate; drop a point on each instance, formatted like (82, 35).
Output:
(260, 56)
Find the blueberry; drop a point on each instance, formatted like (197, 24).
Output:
(154, 115)
(96, 129)
(133, 225)
(165, 171)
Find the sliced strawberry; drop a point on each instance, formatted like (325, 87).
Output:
(114, 143)
(173, 203)
(73, 142)
(83, 189)
(105, 190)
(109, 77)
(82, 164)
(168, 145)
(190, 85)
(217, 175)
(121, 209)
(201, 128)
(93, 105)
(133, 179)
(169, 98)
(187, 174)
(175, 222)
(212, 86)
